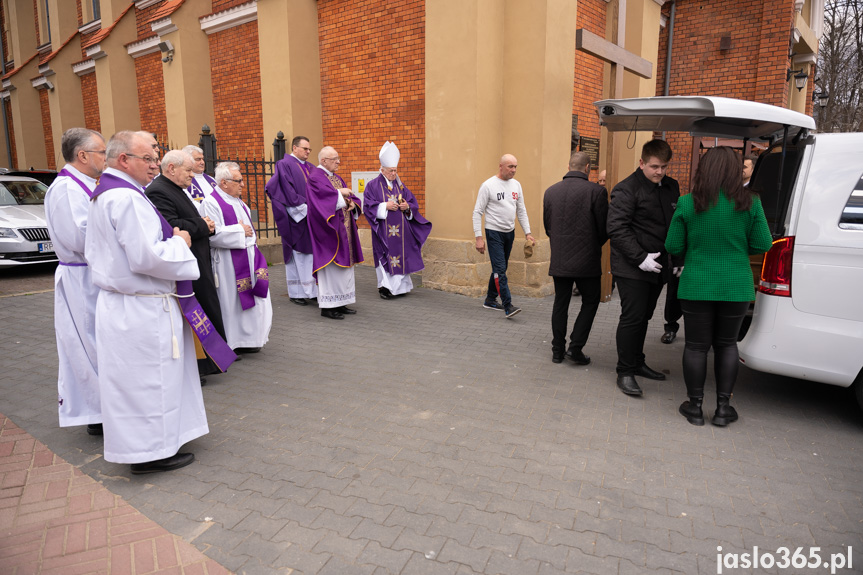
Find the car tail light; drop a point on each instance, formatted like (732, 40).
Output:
(776, 269)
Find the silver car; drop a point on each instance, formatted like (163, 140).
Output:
(24, 235)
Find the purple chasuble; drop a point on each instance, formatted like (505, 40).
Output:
(397, 241)
(287, 189)
(216, 347)
(334, 231)
(240, 257)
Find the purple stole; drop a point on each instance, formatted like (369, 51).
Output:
(196, 192)
(240, 258)
(218, 350)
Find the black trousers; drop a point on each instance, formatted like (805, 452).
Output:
(637, 302)
(673, 311)
(590, 289)
(711, 324)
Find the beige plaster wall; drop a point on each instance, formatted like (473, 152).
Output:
(290, 74)
(115, 79)
(63, 21)
(188, 93)
(110, 10)
(499, 78)
(27, 119)
(65, 102)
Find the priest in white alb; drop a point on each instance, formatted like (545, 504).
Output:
(66, 205)
(148, 376)
(242, 278)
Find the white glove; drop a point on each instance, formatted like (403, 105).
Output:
(649, 264)
(678, 271)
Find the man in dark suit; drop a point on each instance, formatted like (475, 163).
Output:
(168, 194)
(638, 219)
(574, 214)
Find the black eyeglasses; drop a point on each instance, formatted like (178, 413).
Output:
(95, 151)
(240, 181)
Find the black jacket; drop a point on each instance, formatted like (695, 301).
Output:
(638, 220)
(574, 213)
(181, 212)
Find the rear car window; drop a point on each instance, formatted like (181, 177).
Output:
(852, 215)
(775, 192)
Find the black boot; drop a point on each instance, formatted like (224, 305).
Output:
(691, 410)
(724, 413)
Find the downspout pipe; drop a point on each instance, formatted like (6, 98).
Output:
(668, 51)
(5, 123)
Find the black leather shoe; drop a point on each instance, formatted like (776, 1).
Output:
(346, 310)
(578, 357)
(385, 293)
(299, 301)
(332, 313)
(628, 385)
(645, 371)
(203, 381)
(247, 350)
(691, 410)
(668, 337)
(556, 356)
(94, 428)
(167, 464)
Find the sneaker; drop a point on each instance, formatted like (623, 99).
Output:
(511, 310)
(492, 305)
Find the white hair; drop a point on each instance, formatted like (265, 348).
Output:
(324, 151)
(190, 149)
(175, 158)
(223, 171)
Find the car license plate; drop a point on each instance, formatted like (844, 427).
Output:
(46, 247)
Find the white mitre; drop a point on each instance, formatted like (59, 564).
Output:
(389, 155)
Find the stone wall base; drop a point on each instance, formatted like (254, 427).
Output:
(455, 265)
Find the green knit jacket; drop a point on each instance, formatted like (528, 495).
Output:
(716, 244)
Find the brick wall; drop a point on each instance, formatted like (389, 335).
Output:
(236, 75)
(151, 94)
(142, 20)
(7, 109)
(753, 69)
(46, 130)
(219, 5)
(92, 120)
(373, 84)
(587, 89)
(3, 38)
(80, 13)
(36, 24)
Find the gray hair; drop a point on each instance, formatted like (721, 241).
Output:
(324, 151)
(175, 158)
(579, 161)
(76, 139)
(121, 143)
(223, 171)
(190, 149)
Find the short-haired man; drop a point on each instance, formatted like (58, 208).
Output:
(153, 169)
(168, 194)
(638, 219)
(399, 230)
(66, 206)
(150, 395)
(748, 166)
(600, 179)
(288, 191)
(336, 249)
(574, 214)
(242, 278)
(501, 199)
(202, 184)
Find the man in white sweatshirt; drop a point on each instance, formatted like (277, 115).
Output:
(501, 200)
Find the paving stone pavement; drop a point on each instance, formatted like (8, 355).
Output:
(427, 434)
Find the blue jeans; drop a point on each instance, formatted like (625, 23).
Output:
(499, 246)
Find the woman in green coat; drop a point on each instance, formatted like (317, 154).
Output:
(716, 228)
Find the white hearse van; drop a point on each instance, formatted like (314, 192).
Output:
(808, 314)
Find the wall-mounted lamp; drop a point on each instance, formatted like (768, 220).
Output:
(822, 98)
(168, 50)
(800, 78)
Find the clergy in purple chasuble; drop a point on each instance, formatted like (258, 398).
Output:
(288, 191)
(398, 228)
(333, 213)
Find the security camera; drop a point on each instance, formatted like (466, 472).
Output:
(49, 85)
(166, 46)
